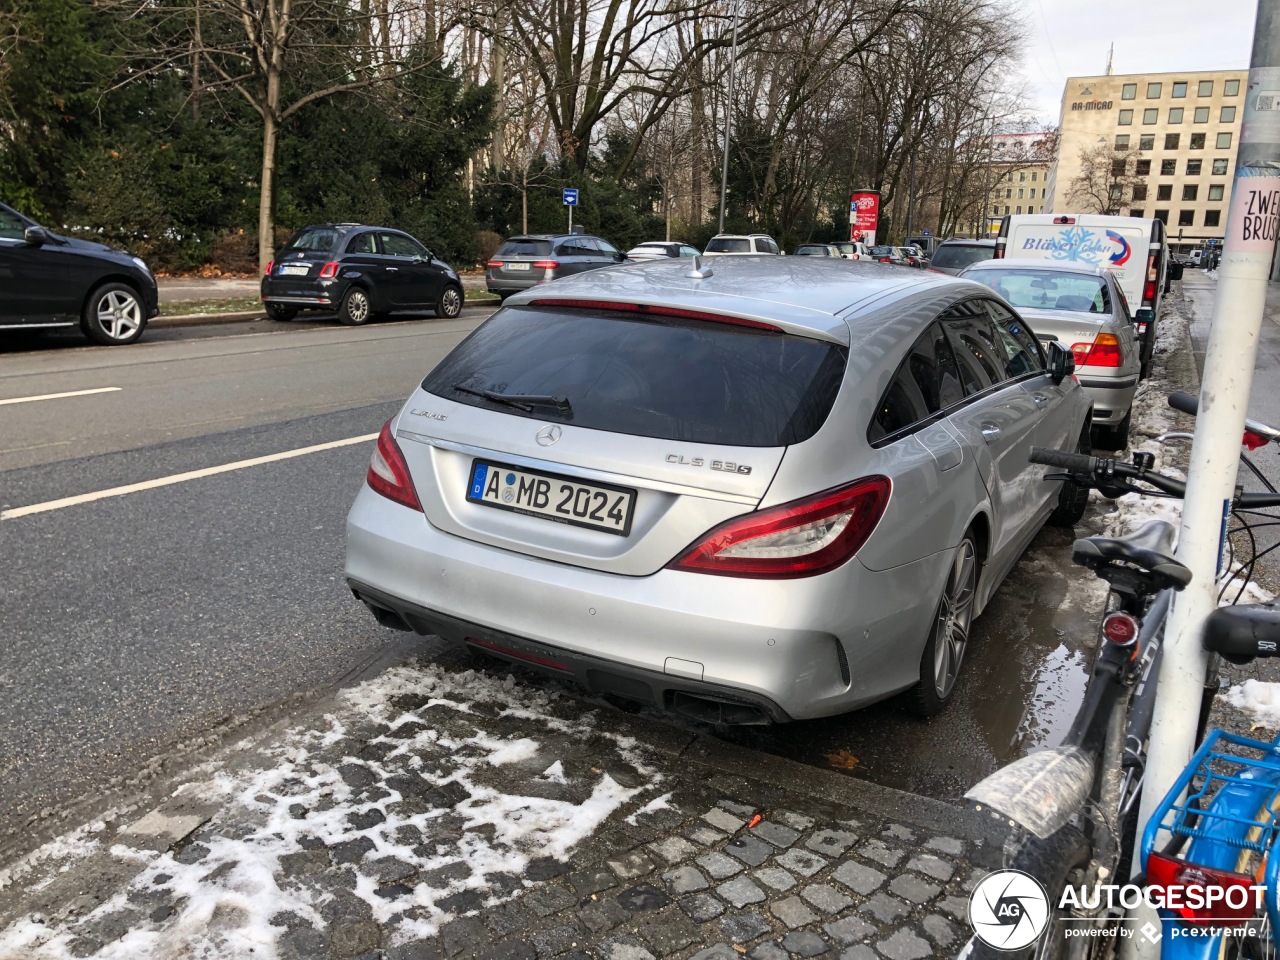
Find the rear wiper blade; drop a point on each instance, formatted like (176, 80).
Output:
(521, 401)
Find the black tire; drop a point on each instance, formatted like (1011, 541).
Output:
(1056, 863)
(450, 303)
(1114, 438)
(944, 651)
(277, 311)
(113, 315)
(1148, 350)
(1072, 500)
(356, 308)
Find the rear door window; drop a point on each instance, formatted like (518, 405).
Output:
(927, 383)
(667, 378)
(363, 243)
(11, 226)
(525, 247)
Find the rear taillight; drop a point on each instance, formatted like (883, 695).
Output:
(1254, 440)
(389, 474)
(1149, 292)
(1103, 352)
(1064, 219)
(1120, 628)
(494, 263)
(797, 539)
(267, 271)
(1149, 288)
(1199, 894)
(330, 269)
(545, 264)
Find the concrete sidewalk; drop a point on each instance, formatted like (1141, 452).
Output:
(437, 811)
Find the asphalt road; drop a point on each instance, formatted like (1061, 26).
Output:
(138, 625)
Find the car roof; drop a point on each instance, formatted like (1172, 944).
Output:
(1031, 263)
(811, 296)
(546, 236)
(978, 242)
(741, 236)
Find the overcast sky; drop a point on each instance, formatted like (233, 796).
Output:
(1069, 38)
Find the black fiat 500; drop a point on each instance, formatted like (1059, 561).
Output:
(48, 280)
(362, 272)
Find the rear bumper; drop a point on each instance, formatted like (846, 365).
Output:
(703, 701)
(1112, 397)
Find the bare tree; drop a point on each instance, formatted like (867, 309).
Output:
(1106, 180)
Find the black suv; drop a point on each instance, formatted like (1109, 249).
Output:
(47, 280)
(528, 260)
(360, 271)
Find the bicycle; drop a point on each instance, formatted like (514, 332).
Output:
(1073, 808)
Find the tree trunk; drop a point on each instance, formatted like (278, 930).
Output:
(267, 194)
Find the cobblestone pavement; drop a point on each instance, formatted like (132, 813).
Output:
(437, 814)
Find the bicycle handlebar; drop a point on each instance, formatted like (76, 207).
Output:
(1071, 462)
(1186, 403)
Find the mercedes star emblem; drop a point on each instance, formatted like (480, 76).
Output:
(548, 435)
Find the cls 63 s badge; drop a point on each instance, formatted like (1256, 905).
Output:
(725, 466)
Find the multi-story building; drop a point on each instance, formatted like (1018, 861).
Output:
(1018, 176)
(1169, 141)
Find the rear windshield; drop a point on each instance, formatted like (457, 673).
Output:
(315, 238)
(729, 245)
(811, 251)
(522, 247)
(882, 251)
(666, 378)
(957, 255)
(1047, 289)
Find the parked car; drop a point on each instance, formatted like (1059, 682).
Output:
(360, 271)
(1085, 309)
(925, 244)
(787, 498)
(954, 255)
(854, 250)
(732, 244)
(49, 281)
(656, 250)
(912, 257)
(533, 259)
(888, 254)
(817, 250)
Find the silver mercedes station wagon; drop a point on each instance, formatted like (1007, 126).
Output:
(746, 489)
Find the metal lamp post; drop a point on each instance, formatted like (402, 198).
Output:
(728, 114)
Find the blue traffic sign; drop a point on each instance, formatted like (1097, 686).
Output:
(570, 196)
(1213, 241)
(926, 233)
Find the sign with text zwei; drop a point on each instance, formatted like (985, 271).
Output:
(570, 196)
(864, 216)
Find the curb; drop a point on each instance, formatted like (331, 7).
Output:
(204, 319)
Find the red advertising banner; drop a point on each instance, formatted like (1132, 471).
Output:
(864, 216)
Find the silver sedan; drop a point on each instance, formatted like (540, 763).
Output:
(747, 489)
(1083, 308)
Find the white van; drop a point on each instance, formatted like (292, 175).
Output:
(1134, 249)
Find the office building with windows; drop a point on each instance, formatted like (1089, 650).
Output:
(1156, 145)
(1018, 175)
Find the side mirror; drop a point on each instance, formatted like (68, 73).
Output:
(36, 236)
(1062, 362)
(1175, 271)
(619, 257)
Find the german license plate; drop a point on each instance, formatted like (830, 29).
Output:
(517, 266)
(295, 270)
(597, 506)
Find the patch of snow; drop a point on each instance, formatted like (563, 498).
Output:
(657, 803)
(1259, 699)
(555, 774)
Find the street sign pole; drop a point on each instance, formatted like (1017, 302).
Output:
(1250, 242)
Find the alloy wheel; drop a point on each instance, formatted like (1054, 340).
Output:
(955, 614)
(119, 315)
(450, 302)
(357, 306)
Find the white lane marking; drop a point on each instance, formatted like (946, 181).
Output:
(59, 396)
(15, 512)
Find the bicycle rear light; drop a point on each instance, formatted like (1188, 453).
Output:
(1200, 894)
(1120, 628)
